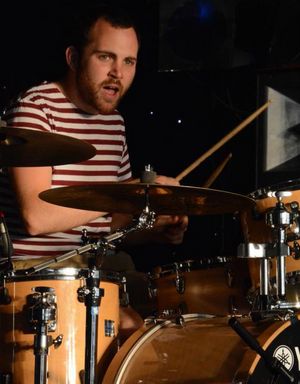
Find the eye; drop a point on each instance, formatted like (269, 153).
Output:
(104, 57)
(130, 61)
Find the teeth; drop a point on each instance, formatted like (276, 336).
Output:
(110, 87)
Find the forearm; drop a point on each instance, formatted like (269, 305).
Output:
(41, 218)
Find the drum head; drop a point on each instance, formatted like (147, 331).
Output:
(204, 350)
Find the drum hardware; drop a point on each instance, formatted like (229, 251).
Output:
(5, 243)
(92, 294)
(148, 175)
(279, 219)
(124, 297)
(43, 319)
(179, 283)
(145, 221)
(152, 289)
(4, 295)
(6, 266)
(277, 369)
(296, 250)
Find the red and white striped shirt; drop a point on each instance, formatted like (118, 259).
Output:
(45, 108)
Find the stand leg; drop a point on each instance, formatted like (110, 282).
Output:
(40, 352)
(263, 300)
(92, 297)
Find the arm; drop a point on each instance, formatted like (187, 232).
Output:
(39, 216)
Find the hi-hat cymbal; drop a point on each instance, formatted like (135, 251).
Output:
(163, 199)
(28, 148)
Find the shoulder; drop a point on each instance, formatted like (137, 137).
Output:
(41, 92)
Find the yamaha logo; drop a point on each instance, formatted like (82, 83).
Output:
(284, 354)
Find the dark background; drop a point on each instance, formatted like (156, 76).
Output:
(202, 71)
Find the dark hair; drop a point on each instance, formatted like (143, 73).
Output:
(86, 17)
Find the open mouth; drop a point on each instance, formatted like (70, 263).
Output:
(111, 89)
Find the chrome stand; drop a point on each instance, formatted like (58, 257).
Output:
(279, 219)
(43, 319)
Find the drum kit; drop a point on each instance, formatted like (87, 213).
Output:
(203, 341)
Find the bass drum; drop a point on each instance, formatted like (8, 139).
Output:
(217, 286)
(20, 301)
(202, 349)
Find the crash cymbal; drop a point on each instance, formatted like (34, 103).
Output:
(163, 199)
(28, 148)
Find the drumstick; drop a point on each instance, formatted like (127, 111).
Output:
(216, 172)
(222, 141)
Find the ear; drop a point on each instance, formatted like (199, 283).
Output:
(71, 57)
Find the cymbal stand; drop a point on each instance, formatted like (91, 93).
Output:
(92, 293)
(145, 221)
(279, 219)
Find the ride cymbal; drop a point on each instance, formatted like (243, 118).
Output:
(28, 148)
(131, 198)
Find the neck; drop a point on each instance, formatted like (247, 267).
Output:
(66, 85)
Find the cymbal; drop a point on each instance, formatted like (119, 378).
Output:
(28, 148)
(163, 199)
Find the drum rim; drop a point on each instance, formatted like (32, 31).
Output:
(65, 273)
(188, 266)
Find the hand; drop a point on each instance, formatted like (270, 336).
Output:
(170, 228)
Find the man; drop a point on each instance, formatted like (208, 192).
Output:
(101, 64)
(101, 59)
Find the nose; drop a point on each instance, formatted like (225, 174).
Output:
(116, 70)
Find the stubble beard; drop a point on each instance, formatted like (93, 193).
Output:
(90, 93)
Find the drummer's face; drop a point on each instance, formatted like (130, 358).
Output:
(106, 67)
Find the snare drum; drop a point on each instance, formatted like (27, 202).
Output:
(203, 349)
(65, 360)
(215, 286)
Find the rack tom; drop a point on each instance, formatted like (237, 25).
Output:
(211, 285)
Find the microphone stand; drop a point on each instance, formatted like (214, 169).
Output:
(274, 365)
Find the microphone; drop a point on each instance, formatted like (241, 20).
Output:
(274, 365)
(6, 247)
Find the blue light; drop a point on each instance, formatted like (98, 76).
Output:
(205, 9)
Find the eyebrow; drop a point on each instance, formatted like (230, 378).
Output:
(114, 55)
